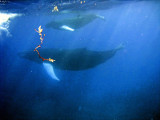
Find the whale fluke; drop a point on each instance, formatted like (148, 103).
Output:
(100, 17)
(120, 46)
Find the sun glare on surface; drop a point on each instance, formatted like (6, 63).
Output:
(5, 19)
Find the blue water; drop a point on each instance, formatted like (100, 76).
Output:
(126, 87)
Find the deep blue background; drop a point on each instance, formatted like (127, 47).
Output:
(127, 87)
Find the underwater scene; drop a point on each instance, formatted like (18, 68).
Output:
(79, 60)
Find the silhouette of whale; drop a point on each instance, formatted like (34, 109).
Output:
(71, 24)
(70, 59)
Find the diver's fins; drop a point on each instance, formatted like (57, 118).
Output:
(65, 27)
(49, 68)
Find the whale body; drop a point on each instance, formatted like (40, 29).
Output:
(69, 59)
(71, 24)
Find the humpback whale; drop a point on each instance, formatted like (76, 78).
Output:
(71, 24)
(70, 59)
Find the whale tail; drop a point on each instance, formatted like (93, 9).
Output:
(120, 46)
(100, 17)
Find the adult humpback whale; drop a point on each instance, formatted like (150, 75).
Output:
(71, 24)
(74, 59)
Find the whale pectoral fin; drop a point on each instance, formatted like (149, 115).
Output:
(65, 27)
(50, 70)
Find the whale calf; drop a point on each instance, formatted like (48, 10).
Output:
(70, 59)
(71, 24)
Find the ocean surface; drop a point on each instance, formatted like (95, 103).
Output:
(123, 87)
